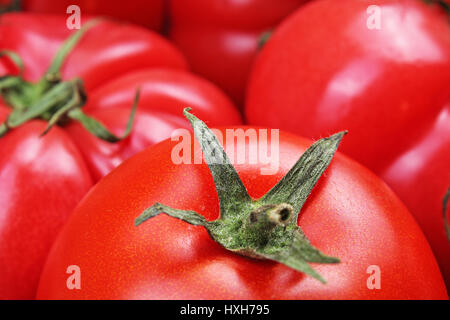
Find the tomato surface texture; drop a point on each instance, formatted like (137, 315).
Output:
(324, 70)
(351, 214)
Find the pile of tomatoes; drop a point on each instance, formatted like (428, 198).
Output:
(72, 183)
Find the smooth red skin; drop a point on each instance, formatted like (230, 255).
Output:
(123, 48)
(425, 167)
(163, 96)
(389, 88)
(41, 181)
(78, 158)
(142, 12)
(350, 214)
(220, 38)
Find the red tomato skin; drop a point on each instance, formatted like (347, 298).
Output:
(220, 38)
(166, 90)
(142, 12)
(41, 181)
(149, 128)
(164, 94)
(426, 164)
(94, 61)
(350, 214)
(388, 87)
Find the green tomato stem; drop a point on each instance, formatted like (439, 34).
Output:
(265, 228)
(52, 99)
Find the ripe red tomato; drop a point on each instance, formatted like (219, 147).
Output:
(42, 179)
(163, 94)
(324, 71)
(220, 38)
(143, 12)
(351, 214)
(113, 49)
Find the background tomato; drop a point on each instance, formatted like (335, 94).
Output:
(164, 93)
(144, 12)
(105, 52)
(389, 87)
(220, 38)
(346, 215)
(42, 179)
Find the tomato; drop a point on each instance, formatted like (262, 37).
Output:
(143, 12)
(220, 38)
(389, 87)
(42, 179)
(351, 214)
(108, 57)
(164, 93)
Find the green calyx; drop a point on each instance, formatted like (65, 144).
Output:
(444, 211)
(265, 228)
(263, 38)
(52, 99)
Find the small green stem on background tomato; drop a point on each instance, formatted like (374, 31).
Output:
(52, 99)
(265, 228)
(444, 211)
(265, 36)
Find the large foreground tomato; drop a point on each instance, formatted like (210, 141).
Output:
(351, 214)
(325, 70)
(143, 12)
(42, 178)
(220, 38)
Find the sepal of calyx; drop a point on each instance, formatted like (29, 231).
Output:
(265, 228)
(444, 212)
(52, 99)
